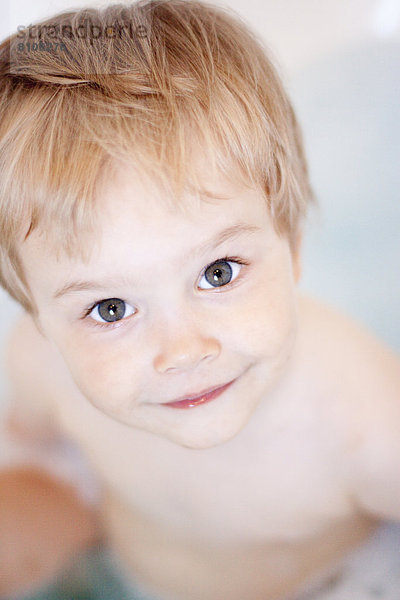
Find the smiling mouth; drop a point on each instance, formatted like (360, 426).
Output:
(207, 396)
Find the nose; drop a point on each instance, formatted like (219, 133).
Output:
(185, 350)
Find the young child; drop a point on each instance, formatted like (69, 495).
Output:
(153, 193)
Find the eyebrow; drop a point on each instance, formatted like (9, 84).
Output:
(222, 236)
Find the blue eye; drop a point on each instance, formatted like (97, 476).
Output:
(220, 273)
(111, 310)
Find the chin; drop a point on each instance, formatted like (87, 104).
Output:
(203, 444)
(201, 440)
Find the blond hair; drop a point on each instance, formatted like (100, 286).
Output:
(164, 77)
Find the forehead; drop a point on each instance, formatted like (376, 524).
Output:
(131, 204)
(133, 214)
(209, 187)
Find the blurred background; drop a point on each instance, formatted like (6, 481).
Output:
(340, 61)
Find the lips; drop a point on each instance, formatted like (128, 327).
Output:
(202, 398)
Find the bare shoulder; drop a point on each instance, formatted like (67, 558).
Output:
(31, 368)
(360, 377)
(343, 343)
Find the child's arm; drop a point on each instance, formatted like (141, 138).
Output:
(44, 520)
(360, 399)
(374, 462)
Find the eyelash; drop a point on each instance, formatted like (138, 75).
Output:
(88, 310)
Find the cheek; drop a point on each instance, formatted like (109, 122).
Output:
(102, 372)
(269, 318)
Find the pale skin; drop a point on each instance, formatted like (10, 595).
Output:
(257, 492)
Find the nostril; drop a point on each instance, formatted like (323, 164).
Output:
(186, 354)
(208, 357)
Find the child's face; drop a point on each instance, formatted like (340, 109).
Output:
(186, 315)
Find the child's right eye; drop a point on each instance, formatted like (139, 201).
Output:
(111, 310)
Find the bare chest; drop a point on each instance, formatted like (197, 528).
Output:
(279, 482)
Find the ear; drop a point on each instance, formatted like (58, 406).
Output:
(296, 257)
